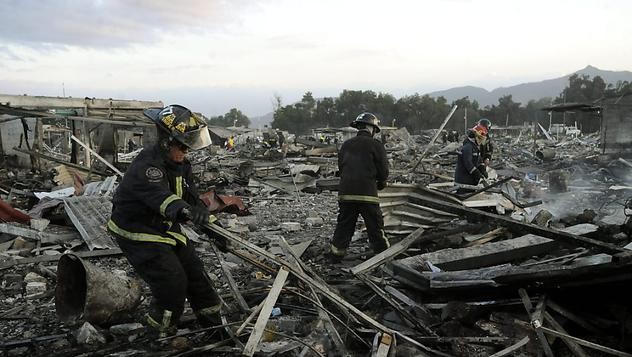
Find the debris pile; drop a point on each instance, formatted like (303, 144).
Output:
(537, 262)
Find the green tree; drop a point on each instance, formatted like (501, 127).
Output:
(234, 117)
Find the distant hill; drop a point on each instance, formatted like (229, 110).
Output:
(526, 91)
(260, 121)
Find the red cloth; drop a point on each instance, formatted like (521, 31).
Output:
(10, 214)
(224, 203)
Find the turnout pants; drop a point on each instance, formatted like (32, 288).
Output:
(345, 227)
(173, 275)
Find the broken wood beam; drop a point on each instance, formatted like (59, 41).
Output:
(54, 159)
(51, 235)
(434, 138)
(512, 224)
(322, 315)
(403, 312)
(544, 343)
(572, 345)
(483, 255)
(266, 310)
(88, 149)
(388, 254)
(488, 187)
(324, 290)
(232, 284)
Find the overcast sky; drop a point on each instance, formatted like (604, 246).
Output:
(214, 55)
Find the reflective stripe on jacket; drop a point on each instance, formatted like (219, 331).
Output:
(148, 200)
(363, 164)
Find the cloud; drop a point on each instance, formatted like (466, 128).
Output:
(7, 54)
(109, 23)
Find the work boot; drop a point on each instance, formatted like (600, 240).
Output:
(335, 254)
(212, 316)
(209, 316)
(162, 329)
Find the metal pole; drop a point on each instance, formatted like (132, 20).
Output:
(434, 138)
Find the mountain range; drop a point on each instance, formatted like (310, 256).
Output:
(524, 92)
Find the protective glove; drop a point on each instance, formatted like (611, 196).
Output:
(381, 185)
(483, 170)
(197, 214)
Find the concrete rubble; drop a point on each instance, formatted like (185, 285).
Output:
(537, 263)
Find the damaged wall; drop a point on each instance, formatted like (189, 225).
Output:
(11, 132)
(616, 129)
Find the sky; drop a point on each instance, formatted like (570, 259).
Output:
(215, 55)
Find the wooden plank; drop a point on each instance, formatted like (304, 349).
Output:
(511, 224)
(581, 229)
(69, 164)
(408, 317)
(295, 252)
(324, 290)
(232, 284)
(388, 254)
(51, 235)
(434, 138)
(384, 347)
(544, 343)
(485, 254)
(29, 101)
(572, 345)
(266, 310)
(487, 237)
(88, 150)
(509, 350)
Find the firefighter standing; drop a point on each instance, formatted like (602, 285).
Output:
(156, 194)
(469, 159)
(363, 170)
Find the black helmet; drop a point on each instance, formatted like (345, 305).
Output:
(367, 118)
(182, 125)
(486, 123)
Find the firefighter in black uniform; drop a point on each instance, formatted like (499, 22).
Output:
(468, 163)
(156, 194)
(486, 148)
(363, 168)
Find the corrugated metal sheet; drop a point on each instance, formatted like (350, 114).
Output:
(90, 215)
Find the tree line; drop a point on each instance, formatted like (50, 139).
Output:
(419, 112)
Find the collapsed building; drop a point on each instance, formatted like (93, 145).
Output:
(536, 263)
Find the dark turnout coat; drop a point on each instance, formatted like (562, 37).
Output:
(468, 159)
(363, 169)
(151, 195)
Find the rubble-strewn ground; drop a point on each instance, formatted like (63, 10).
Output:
(575, 289)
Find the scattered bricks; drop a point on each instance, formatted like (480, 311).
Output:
(291, 226)
(126, 329)
(35, 288)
